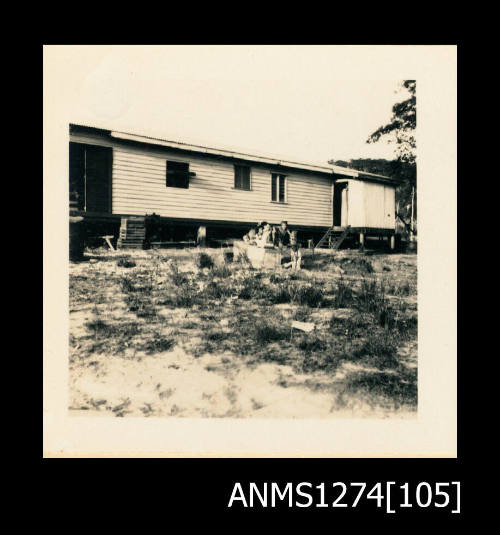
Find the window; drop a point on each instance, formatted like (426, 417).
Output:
(242, 177)
(177, 175)
(278, 188)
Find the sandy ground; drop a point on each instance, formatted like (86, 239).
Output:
(174, 383)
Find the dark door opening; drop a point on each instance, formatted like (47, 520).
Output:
(337, 203)
(90, 177)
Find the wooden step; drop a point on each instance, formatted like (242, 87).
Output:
(327, 240)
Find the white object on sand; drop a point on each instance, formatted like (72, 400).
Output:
(303, 326)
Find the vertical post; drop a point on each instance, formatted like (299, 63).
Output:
(361, 241)
(201, 238)
(411, 220)
(393, 241)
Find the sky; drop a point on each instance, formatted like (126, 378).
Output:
(311, 104)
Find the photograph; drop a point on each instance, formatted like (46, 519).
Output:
(242, 250)
(250, 250)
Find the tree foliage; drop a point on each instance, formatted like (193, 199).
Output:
(401, 128)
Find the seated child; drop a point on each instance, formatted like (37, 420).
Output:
(265, 239)
(250, 236)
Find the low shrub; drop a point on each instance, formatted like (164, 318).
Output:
(377, 345)
(182, 296)
(397, 388)
(141, 305)
(356, 265)
(123, 262)
(221, 271)
(251, 288)
(139, 285)
(371, 296)
(344, 296)
(216, 290)
(309, 295)
(311, 344)
(292, 292)
(203, 260)
(216, 335)
(265, 333)
(158, 343)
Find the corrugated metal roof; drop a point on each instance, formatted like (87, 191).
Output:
(273, 160)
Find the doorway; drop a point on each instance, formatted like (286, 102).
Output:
(90, 177)
(340, 204)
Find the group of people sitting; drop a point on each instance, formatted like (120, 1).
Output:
(269, 236)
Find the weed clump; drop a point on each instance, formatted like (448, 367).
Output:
(221, 271)
(265, 333)
(203, 260)
(158, 343)
(251, 288)
(344, 296)
(356, 265)
(216, 290)
(292, 292)
(400, 388)
(175, 275)
(123, 262)
(309, 295)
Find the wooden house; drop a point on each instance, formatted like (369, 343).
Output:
(117, 179)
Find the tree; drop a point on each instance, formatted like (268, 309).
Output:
(401, 131)
(401, 128)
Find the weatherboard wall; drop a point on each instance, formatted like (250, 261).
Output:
(138, 187)
(379, 206)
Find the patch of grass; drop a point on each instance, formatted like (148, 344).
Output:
(216, 335)
(175, 275)
(141, 284)
(280, 293)
(158, 343)
(179, 298)
(216, 290)
(301, 314)
(203, 260)
(111, 337)
(248, 288)
(356, 265)
(221, 271)
(294, 292)
(344, 296)
(141, 305)
(371, 296)
(403, 289)
(265, 333)
(380, 348)
(103, 329)
(396, 388)
(311, 344)
(309, 295)
(123, 262)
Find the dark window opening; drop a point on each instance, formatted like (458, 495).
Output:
(278, 188)
(177, 175)
(90, 177)
(242, 177)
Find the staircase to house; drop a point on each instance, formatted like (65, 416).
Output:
(333, 237)
(132, 232)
